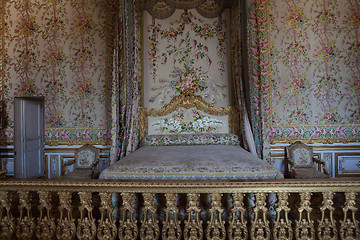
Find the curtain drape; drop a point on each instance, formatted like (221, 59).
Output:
(126, 81)
(126, 86)
(238, 77)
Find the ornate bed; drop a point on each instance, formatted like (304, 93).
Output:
(188, 139)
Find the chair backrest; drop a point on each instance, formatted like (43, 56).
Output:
(300, 155)
(86, 157)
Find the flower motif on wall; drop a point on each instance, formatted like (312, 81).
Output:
(198, 123)
(184, 50)
(27, 26)
(193, 79)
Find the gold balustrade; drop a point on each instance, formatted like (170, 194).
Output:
(94, 209)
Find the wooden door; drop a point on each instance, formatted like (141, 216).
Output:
(29, 137)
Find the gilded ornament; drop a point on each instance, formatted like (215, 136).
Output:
(349, 228)
(282, 229)
(304, 227)
(171, 227)
(260, 229)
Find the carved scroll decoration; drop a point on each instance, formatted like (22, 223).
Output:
(7, 224)
(149, 225)
(237, 227)
(260, 229)
(66, 228)
(327, 226)
(45, 228)
(282, 229)
(86, 224)
(193, 225)
(128, 229)
(25, 225)
(188, 100)
(304, 227)
(216, 226)
(171, 228)
(106, 228)
(349, 228)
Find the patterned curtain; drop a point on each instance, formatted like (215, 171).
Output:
(259, 74)
(238, 71)
(126, 81)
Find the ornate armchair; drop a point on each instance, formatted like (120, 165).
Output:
(301, 162)
(86, 163)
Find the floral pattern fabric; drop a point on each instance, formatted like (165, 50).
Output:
(301, 157)
(192, 162)
(190, 139)
(85, 158)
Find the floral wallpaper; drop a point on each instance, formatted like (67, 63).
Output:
(57, 49)
(304, 71)
(185, 52)
(304, 66)
(315, 69)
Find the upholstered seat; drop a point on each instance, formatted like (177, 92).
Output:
(301, 162)
(86, 163)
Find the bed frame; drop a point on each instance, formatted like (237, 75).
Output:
(189, 100)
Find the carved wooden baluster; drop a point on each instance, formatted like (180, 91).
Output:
(25, 225)
(349, 226)
(171, 228)
(216, 228)
(304, 227)
(45, 228)
(149, 225)
(128, 229)
(107, 227)
(327, 226)
(237, 227)
(66, 226)
(7, 225)
(282, 229)
(260, 225)
(86, 224)
(193, 225)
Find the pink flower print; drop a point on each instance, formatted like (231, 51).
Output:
(316, 132)
(65, 135)
(85, 134)
(195, 43)
(324, 132)
(48, 134)
(77, 135)
(340, 132)
(354, 132)
(209, 62)
(293, 132)
(99, 134)
(206, 49)
(57, 136)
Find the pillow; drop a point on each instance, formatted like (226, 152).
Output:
(190, 139)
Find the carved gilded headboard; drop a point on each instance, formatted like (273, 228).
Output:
(188, 113)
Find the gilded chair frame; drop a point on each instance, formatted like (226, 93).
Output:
(292, 166)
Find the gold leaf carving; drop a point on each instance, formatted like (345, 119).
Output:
(237, 227)
(188, 100)
(193, 225)
(304, 227)
(260, 229)
(349, 228)
(282, 229)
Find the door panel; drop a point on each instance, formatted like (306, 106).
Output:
(29, 137)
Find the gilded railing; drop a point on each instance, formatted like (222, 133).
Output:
(284, 209)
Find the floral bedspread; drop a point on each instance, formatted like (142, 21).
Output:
(190, 162)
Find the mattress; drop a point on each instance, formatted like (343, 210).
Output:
(190, 162)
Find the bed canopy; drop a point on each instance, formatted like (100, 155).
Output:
(129, 73)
